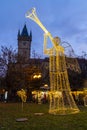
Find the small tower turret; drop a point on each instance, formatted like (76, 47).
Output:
(18, 33)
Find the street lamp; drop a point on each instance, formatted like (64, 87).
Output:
(37, 76)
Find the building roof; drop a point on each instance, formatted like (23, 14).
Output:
(24, 31)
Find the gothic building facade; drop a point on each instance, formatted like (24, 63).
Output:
(36, 65)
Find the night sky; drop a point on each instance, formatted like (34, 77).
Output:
(66, 19)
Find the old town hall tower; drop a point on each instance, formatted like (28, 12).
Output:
(24, 43)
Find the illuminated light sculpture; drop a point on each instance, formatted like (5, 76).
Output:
(71, 60)
(61, 99)
(22, 94)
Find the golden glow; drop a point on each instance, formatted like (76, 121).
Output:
(45, 85)
(61, 99)
(37, 76)
(22, 95)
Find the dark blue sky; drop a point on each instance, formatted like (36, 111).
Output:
(66, 19)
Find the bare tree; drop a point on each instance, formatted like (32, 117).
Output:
(7, 56)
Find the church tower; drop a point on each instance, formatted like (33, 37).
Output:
(24, 43)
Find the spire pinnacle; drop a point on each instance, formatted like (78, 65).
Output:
(24, 31)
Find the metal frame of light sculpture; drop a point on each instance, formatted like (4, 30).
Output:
(61, 99)
(71, 59)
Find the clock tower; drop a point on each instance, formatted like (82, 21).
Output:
(24, 43)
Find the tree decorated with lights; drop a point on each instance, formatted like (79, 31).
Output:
(61, 99)
(22, 94)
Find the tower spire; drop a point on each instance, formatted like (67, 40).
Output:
(18, 32)
(25, 31)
